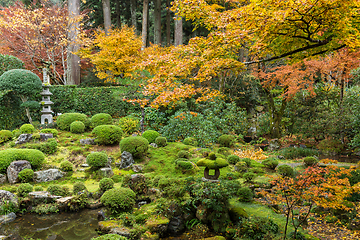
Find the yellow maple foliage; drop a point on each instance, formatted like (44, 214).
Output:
(252, 154)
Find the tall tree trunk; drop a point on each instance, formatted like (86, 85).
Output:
(276, 115)
(168, 22)
(178, 31)
(107, 15)
(118, 14)
(133, 14)
(157, 22)
(145, 23)
(73, 61)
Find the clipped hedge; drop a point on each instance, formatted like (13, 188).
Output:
(137, 146)
(119, 200)
(35, 157)
(100, 119)
(107, 134)
(64, 121)
(150, 135)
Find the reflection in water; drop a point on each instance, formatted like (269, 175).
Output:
(63, 226)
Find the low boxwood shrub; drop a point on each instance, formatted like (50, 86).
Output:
(38, 188)
(245, 194)
(106, 184)
(150, 135)
(137, 146)
(285, 170)
(78, 187)
(190, 141)
(186, 165)
(27, 128)
(66, 166)
(64, 120)
(161, 141)
(249, 176)
(26, 175)
(24, 189)
(241, 166)
(270, 163)
(97, 159)
(129, 125)
(247, 161)
(49, 147)
(35, 157)
(107, 134)
(226, 140)
(77, 127)
(233, 159)
(183, 154)
(211, 156)
(5, 135)
(110, 237)
(297, 152)
(58, 190)
(119, 200)
(224, 151)
(100, 119)
(53, 131)
(310, 161)
(16, 133)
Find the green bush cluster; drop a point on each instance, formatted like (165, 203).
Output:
(226, 140)
(100, 119)
(190, 141)
(26, 175)
(38, 188)
(186, 165)
(241, 166)
(24, 189)
(118, 200)
(129, 125)
(106, 184)
(53, 131)
(5, 135)
(66, 166)
(249, 176)
(212, 164)
(107, 134)
(270, 163)
(27, 128)
(16, 133)
(247, 161)
(297, 152)
(49, 147)
(77, 127)
(78, 187)
(137, 146)
(224, 151)
(150, 135)
(8, 62)
(110, 237)
(161, 141)
(233, 159)
(211, 156)
(58, 190)
(245, 194)
(285, 170)
(183, 154)
(310, 161)
(64, 121)
(35, 157)
(97, 159)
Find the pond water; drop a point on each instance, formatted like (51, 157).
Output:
(63, 226)
(342, 158)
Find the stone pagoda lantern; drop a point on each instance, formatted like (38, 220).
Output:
(46, 113)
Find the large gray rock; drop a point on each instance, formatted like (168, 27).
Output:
(154, 145)
(6, 196)
(45, 136)
(87, 141)
(126, 160)
(106, 172)
(7, 218)
(23, 138)
(2, 178)
(42, 197)
(176, 226)
(14, 169)
(108, 164)
(48, 175)
(137, 168)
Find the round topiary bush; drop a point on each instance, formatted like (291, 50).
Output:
(54, 132)
(233, 159)
(97, 159)
(106, 184)
(190, 141)
(161, 141)
(249, 176)
(77, 127)
(5, 135)
(100, 119)
(64, 120)
(27, 128)
(186, 165)
(212, 156)
(137, 146)
(310, 161)
(8, 62)
(183, 154)
(24, 189)
(285, 170)
(107, 134)
(16, 133)
(119, 200)
(226, 140)
(66, 166)
(38, 188)
(129, 125)
(26, 175)
(270, 163)
(150, 135)
(79, 187)
(241, 167)
(247, 161)
(35, 157)
(58, 190)
(245, 194)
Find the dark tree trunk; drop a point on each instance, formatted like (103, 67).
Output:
(157, 22)
(168, 23)
(145, 23)
(73, 61)
(107, 15)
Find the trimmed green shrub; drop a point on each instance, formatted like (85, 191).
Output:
(58, 190)
(233, 159)
(247, 161)
(241, 166)
(48, 147)
(53, 131)
(8, 62)
(249, 176)
(137, 146)
(186, 165)
(285, 170)
(118, 200)
(97, 159)
(110, 237)
(26, 175)
(5, 135)
(129, 125)
(66, 166)
(106, 184)
(35, 157)
(27, 128)
(77, 127)
(100, 119)
(270, 163)
(226, 140)
(212, 156)
(107, 134)
(190, 141)
(212, 164)
(78, 187)
(224, 151)
(38, 188)
(150, 135)
(297, 152)
(161, 141)
(24, 189)
(64, 120)
(16, 133)
(245, 194)
(36, 136)
(310, 161)
(183, 154)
